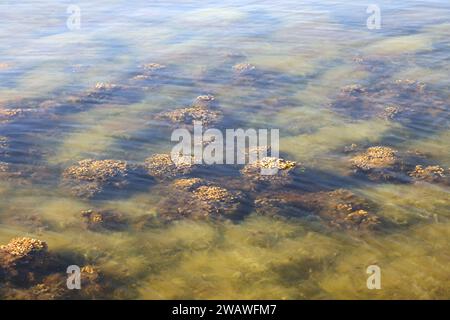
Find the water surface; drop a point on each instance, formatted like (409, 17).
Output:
(307, 52)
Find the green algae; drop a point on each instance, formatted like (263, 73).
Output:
(310, 56)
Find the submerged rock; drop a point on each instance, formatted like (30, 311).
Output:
(406, 101)
(339, 209)
(4, 144)
(244, 68)
(162, 166)
(391, 111)
(4, 168)
(90, 177)
(279, 171)
(353, 89)
(202, 110)
(21, 258)
(106, 93)
(187, 116)
(103, 220)
(102, 90)
(196, 199)
(153, 66)
(7, 115)
(24, 248)
(189, 184)
(52, 287)
(149, 70)
(410, 85)
(382, 163)
(28, 270)
(9, 171)
(432, 174)
(378, 163)
(204, 101)
(375, 158)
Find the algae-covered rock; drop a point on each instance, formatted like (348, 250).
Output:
(375, 158)
(7, 171)
(21, 258)
(204, 101)
(7, 115)
(432, 174)
(153, 66)
(244, 68)
(162, 166)
(391, 111)
(106, 93)
(185, 117)
(148, 71)
(4, 167)
(353, 89)
(103, 220)
(269, 171)
(24, 248)
(4, 143)
(339, 209)
(28, 270)
(91, 177)
(378, 163)
(189, 184)
(405, 101)
(198, 199)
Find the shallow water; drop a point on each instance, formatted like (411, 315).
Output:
(306, 53)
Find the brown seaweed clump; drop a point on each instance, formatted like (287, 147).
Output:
(186, 116)
(197, 199)
(433, 174)
(28, 270)
(406, 101)
(4, 167)
(105, 92)
(270, 170)
(189, 184)
(149, 70)
(378, 163)
(4, 143)
(390, 112)
(101, 90)
(7, 115)
(21, 258)
(339, 209)
(204, 101)
(9, 171)
(24, 248)
(153, 66)
(103, 220)
(90, 177)
(162, 166)
(353, 89)
(244, 68)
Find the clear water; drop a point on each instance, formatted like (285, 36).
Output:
(308, 48)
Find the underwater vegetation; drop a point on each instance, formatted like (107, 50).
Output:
(363, 174)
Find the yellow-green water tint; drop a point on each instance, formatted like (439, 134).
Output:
(309, 50)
